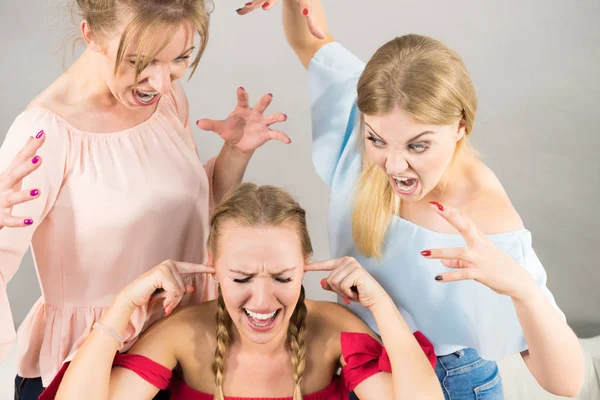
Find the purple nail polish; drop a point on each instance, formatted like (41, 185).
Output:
(34, 192)
(39, 134)
(28, 222)
(35, 159)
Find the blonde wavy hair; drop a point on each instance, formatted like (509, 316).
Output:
(152, 23)
(252, 205)
(430, 82)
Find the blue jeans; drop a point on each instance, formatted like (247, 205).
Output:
(465, 376)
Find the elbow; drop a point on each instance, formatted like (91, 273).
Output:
(569, 388)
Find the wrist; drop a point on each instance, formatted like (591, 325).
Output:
(382, 305)
(528, 294)
(233, 151)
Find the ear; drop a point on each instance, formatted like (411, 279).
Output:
(90, 38)
(461, 131)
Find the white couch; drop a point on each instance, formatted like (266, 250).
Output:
(518, 382)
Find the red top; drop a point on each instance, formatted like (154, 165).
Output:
(364, 357)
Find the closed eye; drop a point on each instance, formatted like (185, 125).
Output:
(245, 280)
(282, 280)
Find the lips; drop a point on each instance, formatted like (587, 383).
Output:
(262, 321)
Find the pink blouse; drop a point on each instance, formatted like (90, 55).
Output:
(111, 206)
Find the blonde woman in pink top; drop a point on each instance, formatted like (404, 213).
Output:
(122, 187)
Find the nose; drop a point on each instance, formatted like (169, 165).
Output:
(160, 79)
(396, 163)
(262, 293)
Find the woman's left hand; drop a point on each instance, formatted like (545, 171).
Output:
(246, 128)
(348, 279)
(481, 261)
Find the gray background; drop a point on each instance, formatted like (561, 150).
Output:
(535, 64)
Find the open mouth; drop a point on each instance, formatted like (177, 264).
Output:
(261, 321)
(144, 97)
(405, 185)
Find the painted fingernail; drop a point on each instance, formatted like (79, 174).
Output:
(346, 300)
(248, 4)
(438, 278)
(238, 10)
(426, 253)
(266, 5)
(241, 87)
(35, 159)
(305, 11)
(438, 205)
(167, 311)
(39, 134)
(285, 116)
(322, 283)
(34, 192)
(191, 289)
(270, 95)
(28, 221)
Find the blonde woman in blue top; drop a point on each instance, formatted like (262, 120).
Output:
(408, 191)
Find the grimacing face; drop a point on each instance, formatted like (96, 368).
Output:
(414, 156)
(260, 270)
(155, 80)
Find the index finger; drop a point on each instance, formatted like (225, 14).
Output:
(326, 265)
(253, 5)
(191, 268)
(463, 225)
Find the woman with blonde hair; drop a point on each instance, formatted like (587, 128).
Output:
(261, 339)
(122, 187)
(390, 137)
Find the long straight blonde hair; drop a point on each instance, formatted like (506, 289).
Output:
(152, 23)
(430, 82)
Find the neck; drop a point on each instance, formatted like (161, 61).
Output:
(91, 88)
(454, 178)
(274, 347)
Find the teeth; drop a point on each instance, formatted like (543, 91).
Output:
(145, 97)
(260, 316)
(402, 183)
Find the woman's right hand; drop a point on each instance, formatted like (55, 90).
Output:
(164, 281)
(304, 7)
(11, 193)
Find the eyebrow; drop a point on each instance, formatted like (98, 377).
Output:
(182, 54)
(255, 273)
(411, 140)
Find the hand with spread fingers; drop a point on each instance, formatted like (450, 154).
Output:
(11, 192)
(164, 281)
(304, 6)
(246, 128)
(481, 260)
(348, 279)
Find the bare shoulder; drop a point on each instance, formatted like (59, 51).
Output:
(330, 319)
(187, 328)
(488, 204)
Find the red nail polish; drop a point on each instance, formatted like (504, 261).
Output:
(248, 4)
(285, 116)
(35, 159)
(266, 5)
(346, 300)
(39, 134)
(167, 311)
(241, 87)
(426, 253)
(305, 11)
(438, 205)
(270, 95)
(28, 222)
(34, 192)
(323, 283)
(191, 289)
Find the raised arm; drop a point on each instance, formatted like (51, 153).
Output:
(90, 375)
(412, 376)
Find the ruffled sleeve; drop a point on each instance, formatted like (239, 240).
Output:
(333, 74)
(48, 179)
(182, 108)
(366, 357)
